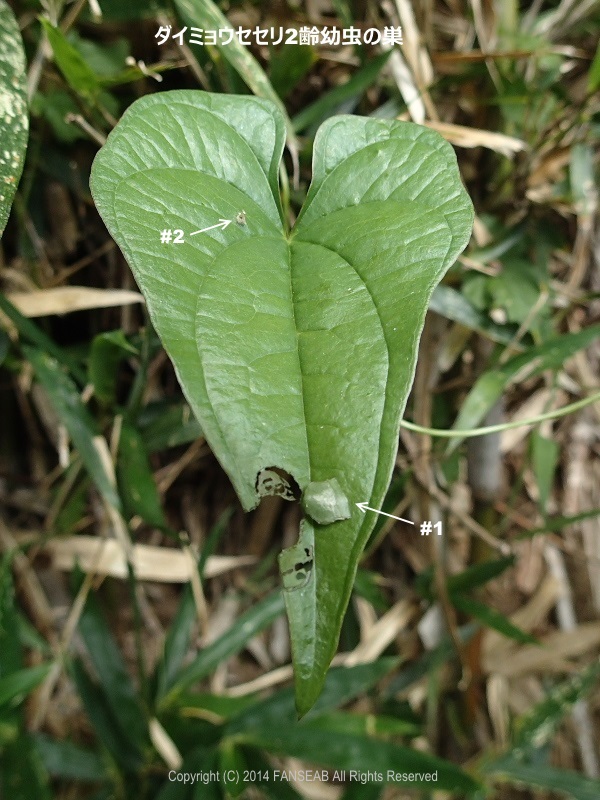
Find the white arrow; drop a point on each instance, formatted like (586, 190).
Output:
(222, 223)
(364, 507)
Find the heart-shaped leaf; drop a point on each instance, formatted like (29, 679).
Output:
(14, 121)
(296, 349)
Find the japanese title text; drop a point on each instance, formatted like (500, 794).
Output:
(274, 36)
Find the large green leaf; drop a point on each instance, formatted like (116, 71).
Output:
(296, 350)
(14, 120)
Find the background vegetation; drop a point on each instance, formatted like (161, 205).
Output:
(141, 625)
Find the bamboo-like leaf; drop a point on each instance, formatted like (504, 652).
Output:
(16, 686)
(564, 782)
(207, 15)
(74, 415)
(488, 388)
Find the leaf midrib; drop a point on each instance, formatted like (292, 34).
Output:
(293, 305)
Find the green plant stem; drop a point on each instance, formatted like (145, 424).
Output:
(466, 434)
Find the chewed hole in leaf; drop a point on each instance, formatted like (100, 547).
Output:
(297, 567)
(273, 481)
